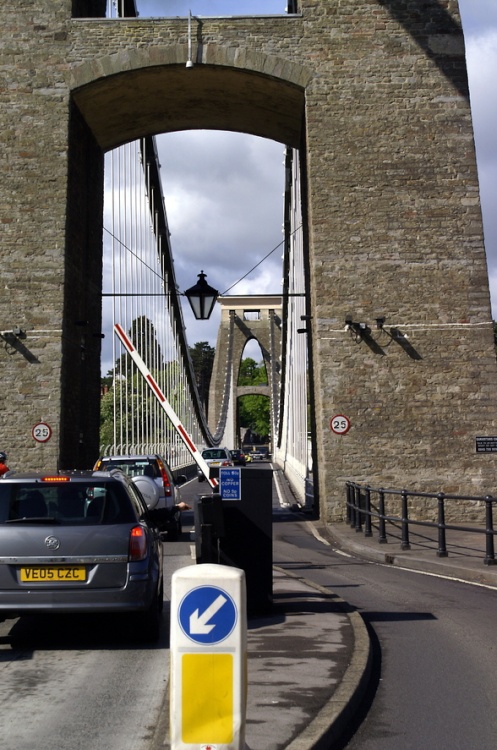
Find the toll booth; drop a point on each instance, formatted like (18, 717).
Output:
(238, 532)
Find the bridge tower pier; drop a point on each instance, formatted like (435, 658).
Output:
(244, 318)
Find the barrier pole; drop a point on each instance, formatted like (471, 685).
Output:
(208, 658)
(166, 406)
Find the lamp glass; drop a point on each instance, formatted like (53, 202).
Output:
(202, 298)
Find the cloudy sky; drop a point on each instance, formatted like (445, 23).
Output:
(224, 191)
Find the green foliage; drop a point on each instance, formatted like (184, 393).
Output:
(254, 410)
(254, 414)
(125, 391)
(252, 373)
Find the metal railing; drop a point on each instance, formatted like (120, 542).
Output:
(365, 503)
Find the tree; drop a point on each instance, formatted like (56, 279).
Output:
(143, 336)
(202, 356)
(252, 373)
(123, 387)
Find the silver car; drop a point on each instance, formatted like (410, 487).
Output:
(215, 458)
(79, 542)
(156, 468)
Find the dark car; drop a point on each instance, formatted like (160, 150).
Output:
(157, 468)
(238, 457)
(79, 542)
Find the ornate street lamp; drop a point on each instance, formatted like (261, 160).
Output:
(202, 298)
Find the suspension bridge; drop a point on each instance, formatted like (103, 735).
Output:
(141, 296)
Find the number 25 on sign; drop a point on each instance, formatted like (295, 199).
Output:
(340, 424)
(41, 432)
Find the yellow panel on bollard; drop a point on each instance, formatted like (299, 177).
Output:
(207, 698)
(208, 658)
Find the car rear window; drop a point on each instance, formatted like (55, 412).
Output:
(210, 454)
(66, 504)
(132, 467)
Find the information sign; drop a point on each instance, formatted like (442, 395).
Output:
(229, 483)
(486, 444)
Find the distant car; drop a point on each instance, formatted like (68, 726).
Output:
(260, 454)
(215, 458)
(157, 468)
(238, 457)
(79, 542)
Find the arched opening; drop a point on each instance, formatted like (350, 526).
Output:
(253, 401)
(162, 99)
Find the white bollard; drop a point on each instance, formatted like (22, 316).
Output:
(208, 658)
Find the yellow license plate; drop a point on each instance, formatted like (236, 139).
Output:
(53, 574)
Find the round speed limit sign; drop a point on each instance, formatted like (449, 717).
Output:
(340, 424)
(41, 432)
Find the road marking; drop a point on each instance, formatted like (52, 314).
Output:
(316, 534)
(281, 499)
(438, 575)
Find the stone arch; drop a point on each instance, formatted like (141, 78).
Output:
(121, 97)
(230, 88)
(264, 357)
(390, 194)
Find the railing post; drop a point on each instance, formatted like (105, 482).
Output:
(358, 519)
(348, 515)
(367, 519)
(405, 522)
(442, 547)
(352, 506)
(489, 532)
(382, 538)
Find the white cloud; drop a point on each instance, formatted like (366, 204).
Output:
(224, 200)
(479, 19)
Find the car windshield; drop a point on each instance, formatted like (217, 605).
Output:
(66, 504)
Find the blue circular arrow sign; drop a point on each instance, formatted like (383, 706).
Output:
(207, 614)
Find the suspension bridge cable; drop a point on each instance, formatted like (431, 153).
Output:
(261, 261)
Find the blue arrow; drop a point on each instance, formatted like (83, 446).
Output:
(199, 623)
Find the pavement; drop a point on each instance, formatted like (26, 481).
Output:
(309, 660)
(309, 664)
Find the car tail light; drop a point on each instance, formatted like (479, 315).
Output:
(226, 463)
(165, 481)
(56, 479)
(137, 544)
